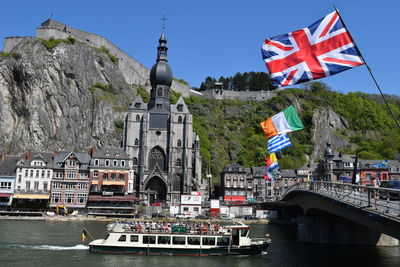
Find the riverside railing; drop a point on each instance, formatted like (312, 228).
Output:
(383, 200)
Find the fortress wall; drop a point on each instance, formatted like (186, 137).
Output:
(240, 95)
(11, 42)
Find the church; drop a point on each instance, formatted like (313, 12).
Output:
(159, 138)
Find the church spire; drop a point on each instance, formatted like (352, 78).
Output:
(161, 73)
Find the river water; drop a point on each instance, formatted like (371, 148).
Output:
(39, 243)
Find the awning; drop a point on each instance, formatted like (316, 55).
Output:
(31, 196)
(113, 183)
(234, 198)
(5, 194)
(97, 198)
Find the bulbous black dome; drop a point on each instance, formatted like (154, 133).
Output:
(161, 73)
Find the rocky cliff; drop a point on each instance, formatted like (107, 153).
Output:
(70, 97)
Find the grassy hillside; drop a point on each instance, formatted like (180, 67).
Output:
(230, 131)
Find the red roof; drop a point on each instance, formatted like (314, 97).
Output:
(97, 198)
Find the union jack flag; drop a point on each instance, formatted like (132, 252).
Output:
(320, 50)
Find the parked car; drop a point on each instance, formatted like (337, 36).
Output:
(157, 215)
(390, 185)
(181, 216)
(202, 217)
(250, 217)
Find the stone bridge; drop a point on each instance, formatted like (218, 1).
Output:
(342, 213)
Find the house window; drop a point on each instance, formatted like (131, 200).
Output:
(115, 163)
(70, 186)
(5, 185)
(19, 178)
(31, 175)
(105, 176)
(28, 185)
(107, 162)
(45, 186)
(56, 197)
(123, 163)
(113, 176)
(196, 209)
(135, 161)
(180, 107)
(70, 174)
(72, 163)
(37, 173)
(179, 119)
(136, 142)
(96, 162)
(57, 185)
(179, 143)
(122, 176)
(48, 174)
(186, 209)
(36, 186)
(26, 173)
(69, 197)
(82, 198)
(95, 174)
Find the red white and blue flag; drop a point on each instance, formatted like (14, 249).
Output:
(320, 50)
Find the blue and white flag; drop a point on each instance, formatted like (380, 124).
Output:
(278, 142)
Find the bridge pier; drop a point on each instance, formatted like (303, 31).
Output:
(336, 230)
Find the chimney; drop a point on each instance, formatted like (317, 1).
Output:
(91, 150)
(28, 154)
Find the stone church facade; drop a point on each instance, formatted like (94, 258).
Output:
(159, 138)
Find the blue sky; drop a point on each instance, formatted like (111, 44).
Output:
(220, 37)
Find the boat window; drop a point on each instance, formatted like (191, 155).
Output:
(193, 240)
(210, 241)
(223, 241)
(178, 240)
(149, 239)
(244, 232)
(164, 240)
(122, 238)
(134, 238)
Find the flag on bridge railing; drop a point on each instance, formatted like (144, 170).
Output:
(278, 142)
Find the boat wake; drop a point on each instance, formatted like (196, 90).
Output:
(49, 247)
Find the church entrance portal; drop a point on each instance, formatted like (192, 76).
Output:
(156, 190)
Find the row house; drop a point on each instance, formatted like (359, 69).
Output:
(285, 179)
(7, 179)
(70, 182)
(111, 182)
(34, 172)
(262, 187)
(236, 183)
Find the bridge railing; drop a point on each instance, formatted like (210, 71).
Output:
(384, 200)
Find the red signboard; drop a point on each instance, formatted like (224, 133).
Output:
(235, 198)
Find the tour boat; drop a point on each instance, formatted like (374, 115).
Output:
(201, 240)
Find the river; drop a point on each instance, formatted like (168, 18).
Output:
(40, 243)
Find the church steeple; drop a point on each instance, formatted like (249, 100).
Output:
(160, 79)
(161, 73)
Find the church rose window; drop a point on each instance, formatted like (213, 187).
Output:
(157, 156)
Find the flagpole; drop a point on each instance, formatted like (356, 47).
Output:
(368, 68)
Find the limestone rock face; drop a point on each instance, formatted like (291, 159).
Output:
(69, 97)
(328, 127)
